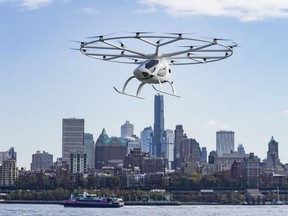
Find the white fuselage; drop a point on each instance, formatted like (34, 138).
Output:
(153, 71)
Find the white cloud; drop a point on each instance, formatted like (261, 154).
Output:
(244, 10)
(35, 4)
(214, 125)
(89, 11)
(284, 113)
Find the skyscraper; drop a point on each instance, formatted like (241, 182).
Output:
(169, 146)
(190, 147)
(127, 130)
(90, 150)
(273, 161)
(72, 138)
(146, 137)
(204, 154)
(224, 142)
(158, 143)
(179, 135)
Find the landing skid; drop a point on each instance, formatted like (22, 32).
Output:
(171, 94)
(123, 93)
(141, 86)
(164, 92)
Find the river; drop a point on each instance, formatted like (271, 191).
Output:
(184, 210)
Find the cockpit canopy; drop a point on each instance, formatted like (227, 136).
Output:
(151, 63)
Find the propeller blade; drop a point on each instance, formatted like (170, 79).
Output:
(75, 41)
(121, 44)
(138, 33)
(101, 36)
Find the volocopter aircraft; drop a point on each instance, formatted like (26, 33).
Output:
(154, 67)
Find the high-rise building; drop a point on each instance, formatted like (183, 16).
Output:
(12, 153)
(158, 143)
(8, 172)
(127, 130)
(250, 171)
(224, 142)
(109, 151)
(153, 165)
(179, 135)
(273, 161)
(169, 146)
(203, 155)
(89, 150)
(41, 161)
(212, 157)
(4, 156)
(191, 148)
(146, 137)
(78, 163)
(72, 138)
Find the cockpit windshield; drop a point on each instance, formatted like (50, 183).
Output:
(151, 63)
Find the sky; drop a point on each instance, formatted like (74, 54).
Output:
(43, 80)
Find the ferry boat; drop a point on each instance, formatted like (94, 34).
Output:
(93, 201)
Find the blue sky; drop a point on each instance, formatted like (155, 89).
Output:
(42, 80)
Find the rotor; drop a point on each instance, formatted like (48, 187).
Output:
(141, 46)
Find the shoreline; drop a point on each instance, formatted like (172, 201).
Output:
(128, 203)
(131, 203)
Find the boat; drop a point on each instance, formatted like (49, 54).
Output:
(93, 201)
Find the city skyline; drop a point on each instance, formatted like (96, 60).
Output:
(77, 125)
(43, 81)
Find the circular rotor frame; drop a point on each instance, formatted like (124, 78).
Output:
(175, 48)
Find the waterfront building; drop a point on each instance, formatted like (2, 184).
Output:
(179, 135)
(8, 172)
(225, 161)
(154, 165)
(146, 137)
(203, 155)
(158, 142)
(78, 163)
(89, 150)
(127, 130)
(41, 161)
(273, 161)
(169, 146)
(110, 151)
(72, 137)
(250, 171)
(224, 142)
